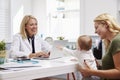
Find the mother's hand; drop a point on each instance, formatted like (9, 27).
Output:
(85, 71)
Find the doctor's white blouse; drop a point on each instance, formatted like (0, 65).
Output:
(22, 47)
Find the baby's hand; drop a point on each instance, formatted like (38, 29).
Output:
(74, 60)
(59, 47)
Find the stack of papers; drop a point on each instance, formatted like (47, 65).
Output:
(15, 66)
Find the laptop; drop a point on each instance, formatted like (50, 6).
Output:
(54, 54)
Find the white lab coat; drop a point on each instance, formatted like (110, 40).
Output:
(22, 47)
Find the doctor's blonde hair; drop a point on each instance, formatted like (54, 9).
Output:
(112, 24)
(24, 22)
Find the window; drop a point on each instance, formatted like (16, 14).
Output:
(63, 19)
(5, 28)
(66, 24)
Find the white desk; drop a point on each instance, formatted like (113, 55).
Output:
(47, 68)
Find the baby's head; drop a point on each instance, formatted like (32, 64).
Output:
(85, 42)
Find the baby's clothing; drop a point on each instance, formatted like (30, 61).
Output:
(81, 56)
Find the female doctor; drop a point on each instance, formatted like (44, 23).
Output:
(27, 42)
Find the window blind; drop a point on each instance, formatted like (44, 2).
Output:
(5, 20)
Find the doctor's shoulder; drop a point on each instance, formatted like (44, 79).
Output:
(18, 35)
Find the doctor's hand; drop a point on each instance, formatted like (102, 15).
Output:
(39, 54)
(43, 54)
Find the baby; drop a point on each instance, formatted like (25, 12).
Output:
(83, 53)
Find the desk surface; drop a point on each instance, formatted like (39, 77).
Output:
(44, 68)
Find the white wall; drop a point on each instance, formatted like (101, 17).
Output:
(89, 9)
(40, 12)
(46, 24)
(19, 8)
(72, 4)
(64, 20)
(92, 8)
(118, 6)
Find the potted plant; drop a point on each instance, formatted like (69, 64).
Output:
(60, 38)
(2, 52)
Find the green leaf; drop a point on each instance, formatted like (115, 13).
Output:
(2, 45)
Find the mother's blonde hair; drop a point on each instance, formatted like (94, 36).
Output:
(113, 26)
(24, 22)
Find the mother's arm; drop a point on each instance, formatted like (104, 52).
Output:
(110, 74)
